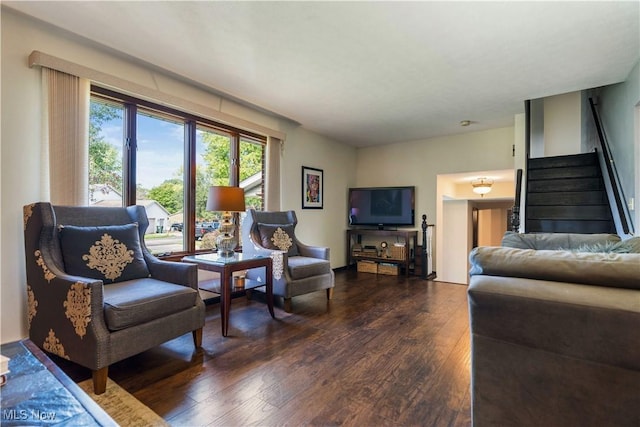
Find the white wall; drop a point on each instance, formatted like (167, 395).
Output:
(618, 107)
(420, 162)
(457, 243)
(451, 258)
(563, 124)
(536, 114)
(520, 159)
(327, 226)
(20, 148)
(635, 208)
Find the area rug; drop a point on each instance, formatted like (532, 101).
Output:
(123, 407)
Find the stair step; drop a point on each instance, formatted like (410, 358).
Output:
(569, 184)
(570, 226)
(569, 212)
(568, 198)
(565, 194)
(585, 159)
(565, 172)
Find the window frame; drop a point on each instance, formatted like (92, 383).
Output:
(131, 106)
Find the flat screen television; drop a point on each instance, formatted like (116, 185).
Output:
(382, 206)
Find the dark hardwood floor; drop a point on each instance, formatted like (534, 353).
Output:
(386, 351)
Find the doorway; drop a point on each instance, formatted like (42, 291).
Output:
(490, 221)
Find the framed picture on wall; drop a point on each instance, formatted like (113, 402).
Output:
(312, 188)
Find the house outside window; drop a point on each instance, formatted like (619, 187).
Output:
(165, 160)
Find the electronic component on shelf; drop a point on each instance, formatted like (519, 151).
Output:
(370, 250)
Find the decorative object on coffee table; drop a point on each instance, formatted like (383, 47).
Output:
(227, 200)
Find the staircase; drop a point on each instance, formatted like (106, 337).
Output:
(566, 194)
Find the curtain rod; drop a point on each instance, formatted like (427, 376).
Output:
(40, 59)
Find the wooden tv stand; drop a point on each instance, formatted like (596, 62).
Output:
(410, 237)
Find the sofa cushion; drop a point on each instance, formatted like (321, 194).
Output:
(134, 302)
(301, 267)
(604, 269)
(633, 244)
(554, 241)
(111, 253)
(278, 237)
(622, 247)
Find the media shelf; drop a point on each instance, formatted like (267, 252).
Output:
(409, 237)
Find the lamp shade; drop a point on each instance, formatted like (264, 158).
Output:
(226, 199)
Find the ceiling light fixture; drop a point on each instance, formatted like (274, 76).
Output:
(482, 186)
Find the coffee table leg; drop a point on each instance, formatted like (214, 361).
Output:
(269, 280)
(225, 302)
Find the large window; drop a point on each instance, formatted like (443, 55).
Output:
(165, 160)
(106, 131)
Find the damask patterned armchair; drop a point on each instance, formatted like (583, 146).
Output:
(96, 295)
(298, 268)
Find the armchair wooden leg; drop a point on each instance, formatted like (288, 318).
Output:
(100, 380)
(197, 338)
(287, 305)
(329, 293)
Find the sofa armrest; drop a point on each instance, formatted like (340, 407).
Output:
(313, 251)
(595, 323)
(65, 313)
(180, 273)
(600, 269)
(553, 353)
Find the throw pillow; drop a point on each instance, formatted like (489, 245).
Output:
(554, 241)
(278, 236)
(631, 245)
(109, 253)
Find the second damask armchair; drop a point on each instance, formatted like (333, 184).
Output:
(298, 268)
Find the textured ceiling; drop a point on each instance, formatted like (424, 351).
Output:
(367, 73)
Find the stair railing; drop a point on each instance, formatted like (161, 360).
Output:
(515, 212)
(617, 200)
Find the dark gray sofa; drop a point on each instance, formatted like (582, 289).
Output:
(555, 333)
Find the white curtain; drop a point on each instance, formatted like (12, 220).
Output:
(272, 178)
(65, 144)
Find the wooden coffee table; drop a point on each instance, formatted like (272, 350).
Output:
(226, 266)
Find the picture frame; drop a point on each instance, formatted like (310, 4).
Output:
(312, 188)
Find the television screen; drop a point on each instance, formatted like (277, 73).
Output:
(382, 206)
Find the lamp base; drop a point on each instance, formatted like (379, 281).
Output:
(226, 245)
(225, 242)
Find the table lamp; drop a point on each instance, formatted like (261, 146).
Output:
(226, 200)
